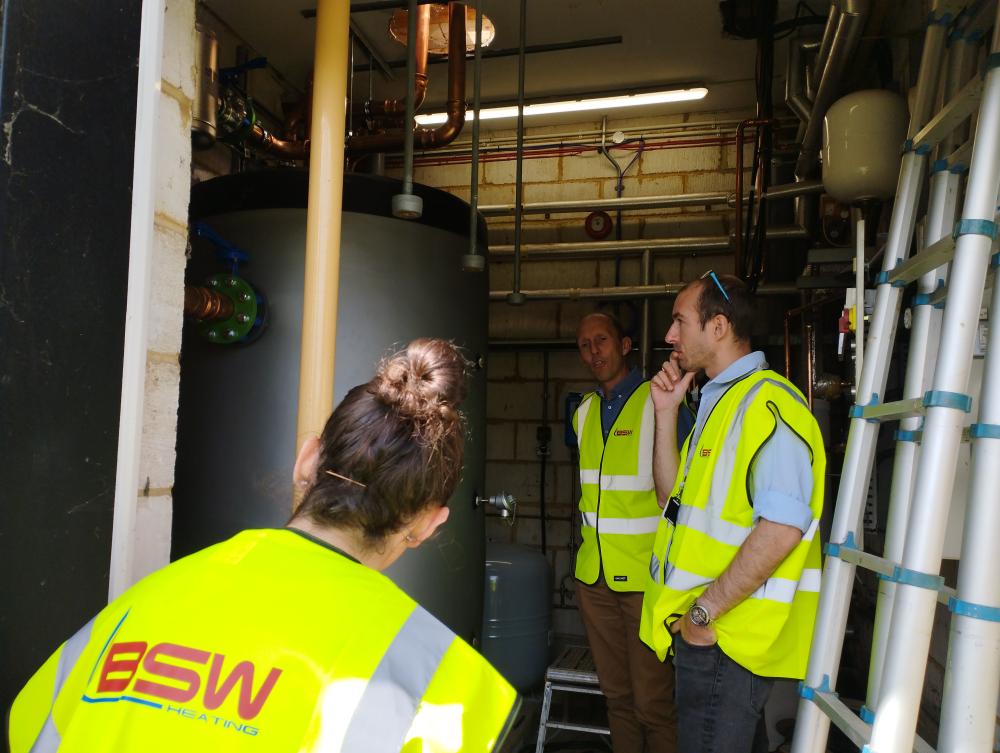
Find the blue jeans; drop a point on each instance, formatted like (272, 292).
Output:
(720, 705)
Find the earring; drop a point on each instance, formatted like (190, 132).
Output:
(409, 539)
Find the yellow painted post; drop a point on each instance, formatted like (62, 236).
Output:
(326, 186)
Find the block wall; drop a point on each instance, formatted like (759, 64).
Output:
(519, 400)
(173, 187)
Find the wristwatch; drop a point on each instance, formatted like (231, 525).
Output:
(699, 615)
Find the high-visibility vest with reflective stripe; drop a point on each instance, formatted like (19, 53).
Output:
(267, 642)
(768, 633)
(617, 498)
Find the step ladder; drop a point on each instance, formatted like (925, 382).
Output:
(572, 672)
(956, 262)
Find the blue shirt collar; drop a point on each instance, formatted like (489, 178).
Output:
(751, 362)
(625, 387)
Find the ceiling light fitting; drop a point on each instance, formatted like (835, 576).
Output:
(576, 105)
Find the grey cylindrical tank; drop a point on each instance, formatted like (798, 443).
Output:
(237, 418)
(517, 613)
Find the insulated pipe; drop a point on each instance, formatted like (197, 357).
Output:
(646, 330)
(825, 45)
(790, 190)
(515, 298)
(598, 248)
(595, 205)
(850, 24)
(323, 219)
(623, 292)
(794, 97)
(475, 261)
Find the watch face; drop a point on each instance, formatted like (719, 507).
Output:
(699, 615)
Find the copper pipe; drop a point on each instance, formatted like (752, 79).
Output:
(270, 143)
(397, 107)
(205, 304)
(738, 222)
(793, 312)
(428, 138)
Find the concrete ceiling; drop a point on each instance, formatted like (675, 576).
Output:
(664, 43)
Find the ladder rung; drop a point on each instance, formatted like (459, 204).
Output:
(927, 260)
(579, 727)
(851, 724)
(846, 720)
(957, 109)
(866, 560)
(890, 411)
(577, 689)
(941, 294)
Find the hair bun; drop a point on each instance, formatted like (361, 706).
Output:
(424, 381)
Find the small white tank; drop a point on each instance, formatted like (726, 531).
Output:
(863, 134)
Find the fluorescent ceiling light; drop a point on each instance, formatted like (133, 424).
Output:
(575, 105)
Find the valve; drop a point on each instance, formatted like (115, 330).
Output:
(505, 503)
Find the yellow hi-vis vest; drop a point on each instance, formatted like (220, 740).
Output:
(617, 498)
(267, 642)
(769, 632)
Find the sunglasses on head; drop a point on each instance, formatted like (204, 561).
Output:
(718, 284)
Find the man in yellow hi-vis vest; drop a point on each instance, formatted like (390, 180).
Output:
(614, 429)
(733, 582)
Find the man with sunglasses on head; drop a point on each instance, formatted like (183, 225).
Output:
(735, 570)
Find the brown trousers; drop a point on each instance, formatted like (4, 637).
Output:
(639, 687)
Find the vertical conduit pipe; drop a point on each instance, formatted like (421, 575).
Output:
(475, 261)
(516, 297)
(645, 333)
(405, 205)
(323, 219)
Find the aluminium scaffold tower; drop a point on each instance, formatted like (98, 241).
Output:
(955, 264)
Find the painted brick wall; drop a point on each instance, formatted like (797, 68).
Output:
(173, 174)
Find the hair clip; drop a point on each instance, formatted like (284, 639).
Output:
(348, 480)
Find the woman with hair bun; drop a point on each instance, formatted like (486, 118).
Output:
(292, 639)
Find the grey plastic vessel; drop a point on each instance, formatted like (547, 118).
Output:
(517, 613)
(236, 426)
